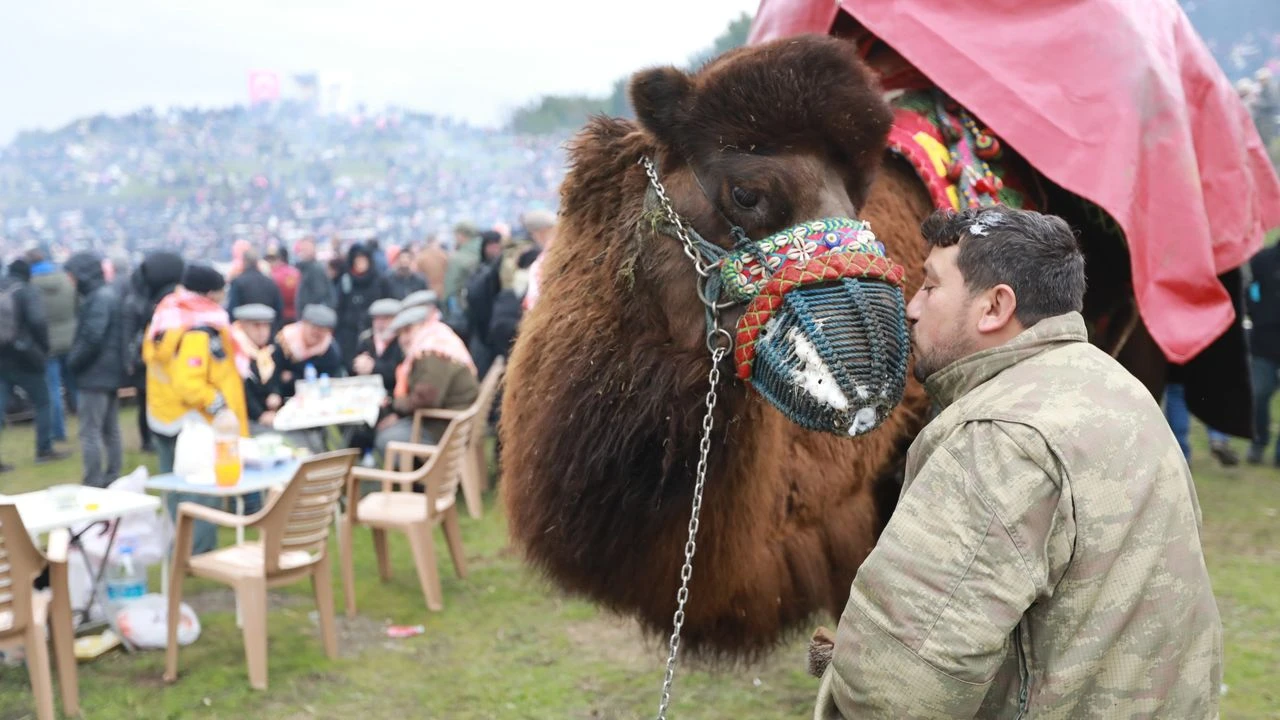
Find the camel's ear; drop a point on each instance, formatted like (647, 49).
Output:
(658, 95)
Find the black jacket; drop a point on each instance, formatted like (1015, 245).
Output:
(97, 356)
(157, 276)
(257, 390)
(1264, 304)
(402, 285)
(384, 364)
(30, 350)
(356, 293)
(252, 287)
(314, 287)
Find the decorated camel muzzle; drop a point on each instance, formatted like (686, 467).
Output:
(824, 334)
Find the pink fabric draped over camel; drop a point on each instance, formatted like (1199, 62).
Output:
(1117, 101)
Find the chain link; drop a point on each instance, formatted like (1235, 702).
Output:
(690, 249)
(691, 546)
(719, 342)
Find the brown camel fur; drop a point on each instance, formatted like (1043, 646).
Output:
(604, 397)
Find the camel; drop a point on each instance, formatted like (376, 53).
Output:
(604, 399)
(607, 383)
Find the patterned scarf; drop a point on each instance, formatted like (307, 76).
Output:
(290, 338)
(184, 310)
(432, 338)
(247, 351)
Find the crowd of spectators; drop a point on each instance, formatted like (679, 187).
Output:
(198, 181)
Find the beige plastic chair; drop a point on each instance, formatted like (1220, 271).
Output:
(292, 544)
(397, 507)
(475, 466)
(23, 611)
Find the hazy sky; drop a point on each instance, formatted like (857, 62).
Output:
(477, 59)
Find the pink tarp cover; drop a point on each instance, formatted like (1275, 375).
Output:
(1118, 101)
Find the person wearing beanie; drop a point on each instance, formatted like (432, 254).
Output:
(96, 361)
(358, 288)
(23, 357)
(192, 374)
(59, 297)
(155, 277)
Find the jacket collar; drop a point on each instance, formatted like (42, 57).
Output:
(955, 380)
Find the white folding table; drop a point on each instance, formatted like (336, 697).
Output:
(41, 515)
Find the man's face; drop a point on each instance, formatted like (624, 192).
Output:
(404, 263)
(314, 334)
(258, 332)
(305, 250)
(942, 315)
(360, 265)
(544, 237)
(406, 336)
(380, 323)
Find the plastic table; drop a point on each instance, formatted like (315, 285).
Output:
(41, 515)
(252, 479)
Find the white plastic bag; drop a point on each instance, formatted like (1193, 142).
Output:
(193, 453)
(145, 530)
(143, 623)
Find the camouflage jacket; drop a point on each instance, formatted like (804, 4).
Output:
(1044, 560)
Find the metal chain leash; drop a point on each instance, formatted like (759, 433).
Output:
(690, 248)
(691, 546)
(719, 342)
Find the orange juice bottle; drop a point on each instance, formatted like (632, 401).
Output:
(226, 448)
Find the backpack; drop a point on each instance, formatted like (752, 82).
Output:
(9, 324)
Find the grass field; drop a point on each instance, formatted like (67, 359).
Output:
(509, 646)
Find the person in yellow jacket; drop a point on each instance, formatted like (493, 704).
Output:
(192, 373)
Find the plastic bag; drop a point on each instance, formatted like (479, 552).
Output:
(142, 623)
(145, 531)
(193, 455)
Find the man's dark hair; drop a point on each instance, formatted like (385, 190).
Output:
(1035, 254)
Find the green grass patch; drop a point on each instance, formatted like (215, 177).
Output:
(507, 645)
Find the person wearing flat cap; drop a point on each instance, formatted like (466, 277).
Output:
(418, 299)
(436, 373)
(309, 341)
(378, 352)
(252, 331)
(192, 374)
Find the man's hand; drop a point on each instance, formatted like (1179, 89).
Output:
(363, 364)
(388, 421)
(267, 419)
(274, 402)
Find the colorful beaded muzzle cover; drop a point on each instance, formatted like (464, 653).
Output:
(824, 335)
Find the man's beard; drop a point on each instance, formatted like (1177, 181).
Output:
(939, 357)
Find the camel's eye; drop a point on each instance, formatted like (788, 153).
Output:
(743, 198)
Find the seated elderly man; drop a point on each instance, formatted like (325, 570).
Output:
(308, 342)
(421, 298)
(256, 362)
(378, 352)
(437, 372)
(255, 358)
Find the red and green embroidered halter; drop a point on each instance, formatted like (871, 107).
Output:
(824, 336)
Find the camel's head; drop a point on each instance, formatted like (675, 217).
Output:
(766, 156)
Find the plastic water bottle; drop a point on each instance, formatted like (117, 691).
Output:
(309, 380)
(126, 578)
(324, 385)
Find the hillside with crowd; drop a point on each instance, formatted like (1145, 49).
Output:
(199, 180)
